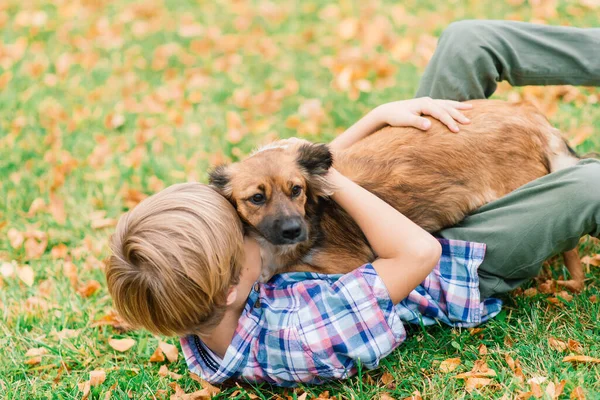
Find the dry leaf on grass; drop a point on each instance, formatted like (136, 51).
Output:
(97, 377)
(476, 383)
(449, 364)
(205, 385)
(556, 344)
(555, 390)
(164, 372)
(26, 275)
(575, 346)
(121, 345)
(581, 359)
(482, 349)
(157, 356)
(515, 366)
(35, 355)
(480, 370)
(415, 396)
(577, 394)
(169, 350)
(88, 288)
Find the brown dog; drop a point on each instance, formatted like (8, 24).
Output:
(435, 178)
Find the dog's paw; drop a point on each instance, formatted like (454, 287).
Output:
(575, 286)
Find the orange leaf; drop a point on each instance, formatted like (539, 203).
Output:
(449, 364)
(205, 385)
(387, 378)
(164, 372)
(581, 359)
(157, 356)
(577, 394)
(97, 377)
(88, 288)
(121, 345)
(482, 349)
(70, 271)
(556, 344)
(476, 383)
(575, 346)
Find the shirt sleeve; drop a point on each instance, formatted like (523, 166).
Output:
(352, 319)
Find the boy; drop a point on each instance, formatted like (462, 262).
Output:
(181, 266)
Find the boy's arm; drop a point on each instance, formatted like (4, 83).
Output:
(403, 113)
(407, 253)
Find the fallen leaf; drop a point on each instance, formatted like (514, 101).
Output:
(537, 379)
(564, 295)
(57, 209)
(7, 269)
(476, 383)
(577, 394)
(480, 370)
(15, 238)
(35, 355)
(205, 385)
(170, 351)
(556, 344)
(581, 359)
(157, 356)
(555, 390)
(482, 349)
(387, 378)
(515, 367)
(113, 319)
(530, 292)
(121, 345)
(449, 364)
(59, 251)
(89, 288)
(26, 275)
(575, 346)
(536, 390)
(416, 395)
(164, 372)
(85, 388)
(97, 377)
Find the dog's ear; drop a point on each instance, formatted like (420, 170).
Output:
(220, 179)
(316, 159)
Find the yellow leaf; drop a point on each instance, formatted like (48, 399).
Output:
(449, 364)
(574, 346)
(121, 345)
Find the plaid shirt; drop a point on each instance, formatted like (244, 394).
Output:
(308, 327)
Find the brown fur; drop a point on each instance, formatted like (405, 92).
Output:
(435, 178)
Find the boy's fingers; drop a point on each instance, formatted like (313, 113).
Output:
(443, 116)
(420, 122)
(458, 116)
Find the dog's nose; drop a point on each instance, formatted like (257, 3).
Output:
(291, 229)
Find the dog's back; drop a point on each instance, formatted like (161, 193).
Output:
(437, 177)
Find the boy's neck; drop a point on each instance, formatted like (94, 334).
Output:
(219, 339)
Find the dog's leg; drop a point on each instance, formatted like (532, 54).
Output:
(573, 264)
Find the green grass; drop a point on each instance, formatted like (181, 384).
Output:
(170, 94)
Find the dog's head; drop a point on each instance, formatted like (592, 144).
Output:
(272, 188)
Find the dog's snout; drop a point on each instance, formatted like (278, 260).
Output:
(291, 229)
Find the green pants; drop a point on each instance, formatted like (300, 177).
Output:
(546, 216)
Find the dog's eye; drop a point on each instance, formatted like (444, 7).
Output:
(296, 190)
(258, 199)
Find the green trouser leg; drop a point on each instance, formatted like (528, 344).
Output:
(535, 222)
(549, 215)
(472, 56)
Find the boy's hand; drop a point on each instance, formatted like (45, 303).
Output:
(408, 113)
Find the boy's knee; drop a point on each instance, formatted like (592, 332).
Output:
(587, 180)
(464, 37)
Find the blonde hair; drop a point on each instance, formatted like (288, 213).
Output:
(174, 259)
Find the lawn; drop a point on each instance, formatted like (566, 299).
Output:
(105, 102)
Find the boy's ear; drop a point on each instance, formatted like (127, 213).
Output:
(220, 179)
(316, 159)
